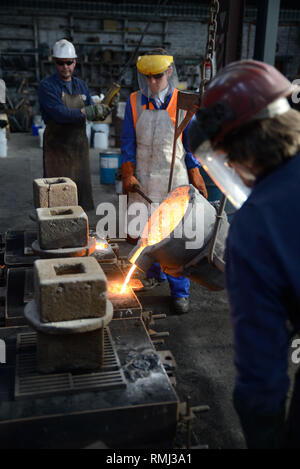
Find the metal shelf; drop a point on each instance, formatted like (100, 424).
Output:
(105, 31)
(16, 38)
(17, 53)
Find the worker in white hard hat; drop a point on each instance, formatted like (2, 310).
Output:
(147, 144)
(66, 103)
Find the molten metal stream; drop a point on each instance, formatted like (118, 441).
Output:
(164, 219)
(132, 269)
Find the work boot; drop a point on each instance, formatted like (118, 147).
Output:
(150, 283)
(181, 305)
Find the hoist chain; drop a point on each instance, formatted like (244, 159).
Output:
(208, 61)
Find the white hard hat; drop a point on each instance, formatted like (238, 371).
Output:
(64, 49)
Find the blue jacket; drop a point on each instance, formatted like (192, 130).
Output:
(263, 283)
(128, 147)
(51, 104)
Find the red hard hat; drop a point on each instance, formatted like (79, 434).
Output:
(243, 89)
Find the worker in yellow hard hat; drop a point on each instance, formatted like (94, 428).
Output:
(147, 144)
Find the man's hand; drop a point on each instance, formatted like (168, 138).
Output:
(129, 183)
(96, 112)
(115, 101)
(197, 180)
(128, 178)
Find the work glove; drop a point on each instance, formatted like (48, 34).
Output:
(196, 179)
(114, 102)
(128, 178)
(97, 112)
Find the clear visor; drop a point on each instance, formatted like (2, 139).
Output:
(225, 177)
(154, 85)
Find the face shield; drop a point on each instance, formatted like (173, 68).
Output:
(233, 179)
(215, 162)
(224, 176)
(156, 74)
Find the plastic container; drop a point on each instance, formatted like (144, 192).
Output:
(41, 135)
(37, 120)
(3, 143)
(101, 135)
(101, 140)
(35, 129)
(97, 127)
(109, 162)
(88, 131)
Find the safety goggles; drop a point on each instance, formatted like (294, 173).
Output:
(157, 76)
(61, 63)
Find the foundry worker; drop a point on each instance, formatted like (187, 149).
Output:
(147, 144)
(248, 138)
(66, 104)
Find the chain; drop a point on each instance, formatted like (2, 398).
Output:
(208, 61)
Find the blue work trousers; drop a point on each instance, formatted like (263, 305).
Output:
(179, 286)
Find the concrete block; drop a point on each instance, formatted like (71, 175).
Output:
(82, 351)
(69, 288)
(54, 192)
(62, 227)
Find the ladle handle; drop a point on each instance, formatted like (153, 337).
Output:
(138, 190)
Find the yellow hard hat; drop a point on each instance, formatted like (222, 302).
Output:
(153, 64)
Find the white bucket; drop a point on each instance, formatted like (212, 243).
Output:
(41, 135)
(101, 128)
(101, 140)
(88, 131)
(3, 143)
(37, 120)
(121, 110)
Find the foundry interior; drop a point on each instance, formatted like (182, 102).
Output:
(83, 365)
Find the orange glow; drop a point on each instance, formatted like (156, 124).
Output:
(100, 246)
(164, 219)
(132, 269)
(114, 289)
(136, 284)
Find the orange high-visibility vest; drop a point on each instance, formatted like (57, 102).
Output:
(137, 108)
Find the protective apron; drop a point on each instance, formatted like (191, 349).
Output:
(154, 145)
(66, 152)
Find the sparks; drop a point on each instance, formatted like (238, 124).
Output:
(132, 269)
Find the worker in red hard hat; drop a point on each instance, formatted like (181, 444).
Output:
(248, 139)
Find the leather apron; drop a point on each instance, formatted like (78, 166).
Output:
(66, 152)
(154, 146)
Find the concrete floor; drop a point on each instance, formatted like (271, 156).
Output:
(200, 341)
